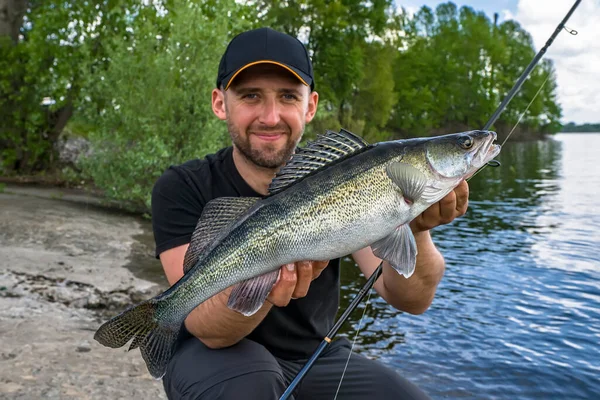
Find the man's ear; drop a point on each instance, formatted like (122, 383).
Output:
(218, 104)
(311, 110)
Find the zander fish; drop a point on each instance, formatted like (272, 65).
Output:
(334, 197)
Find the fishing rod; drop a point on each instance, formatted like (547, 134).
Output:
(529, 68)
(332, 332)
(375, 275)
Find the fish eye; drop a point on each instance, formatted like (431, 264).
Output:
(465, 142)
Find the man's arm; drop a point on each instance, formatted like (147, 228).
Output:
(415, 295)
(214, 323)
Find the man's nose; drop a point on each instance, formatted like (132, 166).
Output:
(269, 115)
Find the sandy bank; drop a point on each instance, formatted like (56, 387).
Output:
(64, 266)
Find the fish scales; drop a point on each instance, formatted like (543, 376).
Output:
(352, 197)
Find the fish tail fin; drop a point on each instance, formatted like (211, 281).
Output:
(155, 339)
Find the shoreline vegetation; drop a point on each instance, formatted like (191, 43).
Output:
(70, 184)
(104, 97)
(572, 127)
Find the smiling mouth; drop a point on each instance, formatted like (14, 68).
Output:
(269, 137)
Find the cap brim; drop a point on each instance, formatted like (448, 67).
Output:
(302, 77)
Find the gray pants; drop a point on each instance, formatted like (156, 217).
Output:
(248, 371)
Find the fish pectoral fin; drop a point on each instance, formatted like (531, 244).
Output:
(410, 180)
(249, 296)
(399, 249)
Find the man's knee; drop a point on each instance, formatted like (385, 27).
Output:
(257, 385)
(246, 370)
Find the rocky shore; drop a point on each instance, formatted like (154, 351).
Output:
(66, 265)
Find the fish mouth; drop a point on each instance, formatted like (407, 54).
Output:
(484, 154)
(487, 151)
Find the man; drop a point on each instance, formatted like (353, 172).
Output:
(265, 93)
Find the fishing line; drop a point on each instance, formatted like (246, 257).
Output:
(527, 108)
(495, 163)
(353, 343)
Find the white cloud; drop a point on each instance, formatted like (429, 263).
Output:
(576, 58)
(506, 14)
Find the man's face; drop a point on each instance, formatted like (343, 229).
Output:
(266, 109)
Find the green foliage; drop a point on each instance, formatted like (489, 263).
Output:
(57, 39)
(458, 67)
(150, 106)
(137, 76)
(24, 123)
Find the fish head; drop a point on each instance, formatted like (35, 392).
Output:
(460, 155)
(429, 168)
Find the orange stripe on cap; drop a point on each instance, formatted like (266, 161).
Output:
(265, 62)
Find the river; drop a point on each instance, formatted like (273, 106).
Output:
(517, 314)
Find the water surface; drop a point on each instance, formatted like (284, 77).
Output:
(517, 314)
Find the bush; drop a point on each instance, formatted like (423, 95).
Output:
(151, 107)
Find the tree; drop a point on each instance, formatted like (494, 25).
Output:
(55, 41)
(11, 18)
(456, 68)
(374, 97)
(138, 75)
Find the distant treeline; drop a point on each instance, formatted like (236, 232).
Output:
(572, 127)
(135, 77)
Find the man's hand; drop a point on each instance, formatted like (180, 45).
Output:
(294, 281)
(453, 205)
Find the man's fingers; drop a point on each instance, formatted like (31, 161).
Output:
(462, 198)
(284, 288)
(304, 277)
(318, 267)
(447, 208)
(294, 281)
(430, 217)
(453, 205)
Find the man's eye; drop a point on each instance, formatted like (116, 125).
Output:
(250, 96)
(288, 96)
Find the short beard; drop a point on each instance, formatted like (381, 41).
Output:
(270, 159)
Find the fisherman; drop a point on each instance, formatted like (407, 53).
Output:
(265, 91)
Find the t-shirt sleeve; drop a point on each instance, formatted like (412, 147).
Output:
(176, 208)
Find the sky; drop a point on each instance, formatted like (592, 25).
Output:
(576, 58)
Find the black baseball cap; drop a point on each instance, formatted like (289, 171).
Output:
(265, 46)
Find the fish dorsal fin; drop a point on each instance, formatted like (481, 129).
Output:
(217, 216)
(326, 149)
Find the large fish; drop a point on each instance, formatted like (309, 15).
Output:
(335, 196)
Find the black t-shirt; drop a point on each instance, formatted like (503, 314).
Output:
(291, 332)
